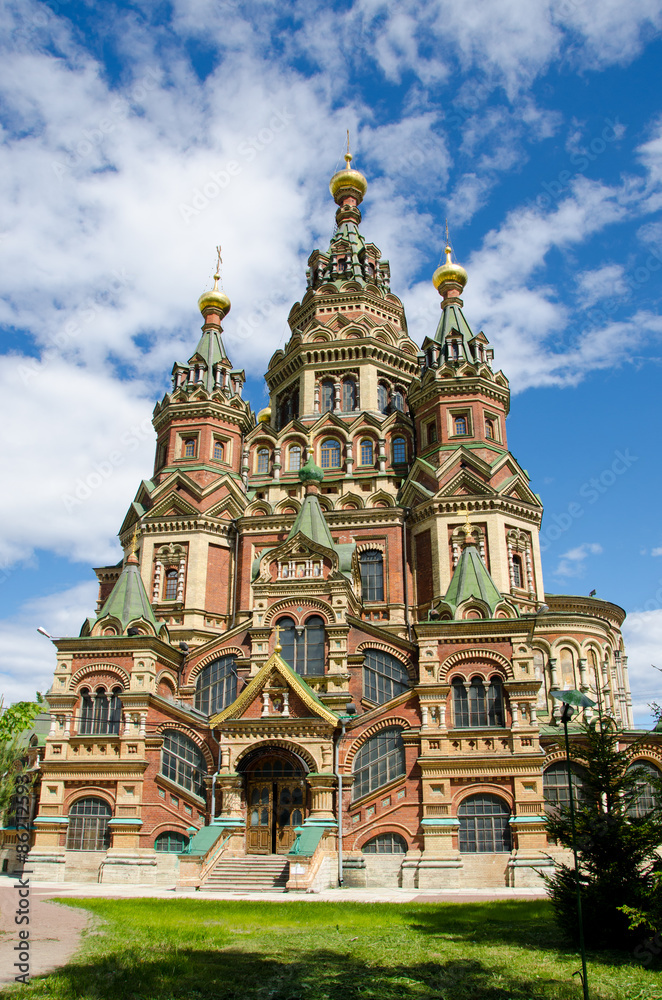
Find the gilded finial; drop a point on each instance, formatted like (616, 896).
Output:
(277, 647)
(448, 271)
(215, 299)
(468, 526)
(348, 181)
(133, 544)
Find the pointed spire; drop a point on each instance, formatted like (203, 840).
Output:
(471, 579)
(128, 599)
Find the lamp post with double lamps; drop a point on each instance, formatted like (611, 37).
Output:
(571, 700)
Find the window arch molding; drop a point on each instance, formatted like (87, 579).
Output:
(193, 736)
(108, 674)
(88, 829)
(492, 835)
(393, 721)
(384, 676)
(311, 607)
(209, 658)
(303, 645)
(489, 660)
(386, 842)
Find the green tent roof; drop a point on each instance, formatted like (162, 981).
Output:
(471, 579)
(310, 522)
(128, 599)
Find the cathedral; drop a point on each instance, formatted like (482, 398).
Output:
(327, 656)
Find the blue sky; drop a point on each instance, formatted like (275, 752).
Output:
(135, 137)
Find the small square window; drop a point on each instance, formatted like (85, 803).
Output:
(161, 793)
(174, 800)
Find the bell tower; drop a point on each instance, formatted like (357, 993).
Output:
(459, 405)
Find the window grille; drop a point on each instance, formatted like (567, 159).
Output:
(262, 461)
(647, 797)
(399, 451)
(171, 842)
(555, 785)
(330, 454)
(327, 397)
(478, 706)
(183, 762)
(489, 429)
(386, 843)
(171, 578)
(189, 448)
(397, 400)
(384, 676)
(432, 433)
(484, 826)
(216, 686)
(303, 648)
(459, 425)
(371, 564)
(517, 571)
(100, 716)
(380, 760)
(349, 395)
(88, 825)
(367, 452)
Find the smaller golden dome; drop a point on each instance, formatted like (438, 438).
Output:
(449, 272)
(214, 299)
(264, 416)
(348, 178)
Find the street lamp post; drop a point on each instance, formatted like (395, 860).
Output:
(571, 700)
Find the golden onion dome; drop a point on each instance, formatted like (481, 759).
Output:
(214, 299)
(449, 272)
(348, 178)
(264, 416)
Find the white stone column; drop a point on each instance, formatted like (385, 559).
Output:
(181, 573)
(277, 463)
(156, 592)
(382, 455)
(350, 459)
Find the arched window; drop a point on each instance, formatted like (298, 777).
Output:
(384, 676)
(518, 576)
(477, 704)
(386, 843)
(101, 715)
(288, 407)
(490, 429)
(349, 395)
(303, 647)
(382, 397)
(327, 396)
(330, 454)
(216, 686)
(88, 825)
(371, 564)
(397, 400)
(367, 452)
(484, 826)
(182, 761)
(399, 451)
(647, 797)
(262, 461)
(189, 448)
(459, 425)
(555, 785)
(294, 458)
(381, 759)
(171, 842)
(218, 450)
(171, 577)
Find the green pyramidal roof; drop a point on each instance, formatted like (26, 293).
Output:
(471, 579)
(310, 522)
(210, 348)
(452, 318)
(128, 599)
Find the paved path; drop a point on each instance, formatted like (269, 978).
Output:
(55, 931)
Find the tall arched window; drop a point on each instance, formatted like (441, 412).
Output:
(382, 397)
(555, 785)
(330, 454)
(171, 585)
(490, 431)
(327, 396)
(367, 452)
(88, 825)
(303, 646)
(288, 406)
(459, 425)
(349, 395)
(381, 759)
(262, 461)
(647, 796)
(218, 451)
(384, 676)
(86, 712)
(397, 400)
(484, 826)
(371, 564)
(216, 686)
(399, 451)
(183, 762)
(189, 448)
(518, 575)
(294, 458)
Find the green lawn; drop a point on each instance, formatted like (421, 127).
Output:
(183, 949)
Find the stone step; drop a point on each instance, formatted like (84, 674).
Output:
(253, 873)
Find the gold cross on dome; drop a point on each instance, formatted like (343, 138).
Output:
(219, 259)
(277, 647)
(468, 526)
(134, 539)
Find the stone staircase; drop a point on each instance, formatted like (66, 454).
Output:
(252, 873)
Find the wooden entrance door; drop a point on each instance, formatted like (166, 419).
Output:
(276, 801)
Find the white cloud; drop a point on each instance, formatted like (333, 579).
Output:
(572, 563)
(657, 551)
(642, 632)
(601, 283)
(27, 659)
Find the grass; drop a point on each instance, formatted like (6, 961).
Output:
(184, 949)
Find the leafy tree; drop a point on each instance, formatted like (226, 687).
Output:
(617, 849)
(13, 722)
